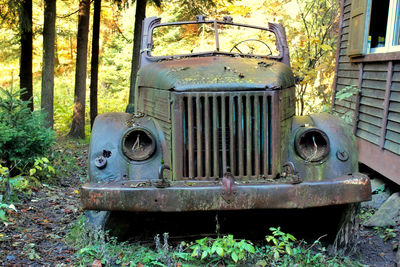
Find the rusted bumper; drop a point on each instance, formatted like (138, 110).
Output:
(191, 196)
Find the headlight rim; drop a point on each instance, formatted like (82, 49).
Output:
(146, 155)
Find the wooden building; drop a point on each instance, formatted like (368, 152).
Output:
(368, 58)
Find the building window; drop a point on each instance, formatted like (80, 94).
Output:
(374, 27)
(384, 26)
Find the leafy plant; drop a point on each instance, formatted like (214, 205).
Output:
(347, 92)
(3, 211)
(285, 250)
(99, 245)
(23, 134)
(5, 179)
(225, 249)
(366, 213)
(41, 169)
(281, 242)
(385, 233)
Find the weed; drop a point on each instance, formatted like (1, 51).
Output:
(285, 250)
(385, 233)
(222, 251)
(345, 94)
(4, 208)
(99, 245)
(225, 250)
(281, 242)
(365, 214)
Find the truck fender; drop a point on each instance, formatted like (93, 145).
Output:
(340, 159)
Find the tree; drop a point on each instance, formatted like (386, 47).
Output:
(94, 70)
(315, 52)
(140, 14)
(78, 118)
(25, 71)
(49, 36)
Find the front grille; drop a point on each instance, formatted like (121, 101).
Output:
(225, 130)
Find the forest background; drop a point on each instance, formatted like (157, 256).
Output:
(311, 28)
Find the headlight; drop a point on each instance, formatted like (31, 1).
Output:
(138, 144)
(311, 144)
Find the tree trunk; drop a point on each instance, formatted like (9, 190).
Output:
(94, 70)
(139, 16)
(25, 70)
(49, 36)
(78, 118)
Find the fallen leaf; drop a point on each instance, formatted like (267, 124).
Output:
(96, 263)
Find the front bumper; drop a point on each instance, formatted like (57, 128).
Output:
(202, 196)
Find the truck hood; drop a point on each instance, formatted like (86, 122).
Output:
(216, 73)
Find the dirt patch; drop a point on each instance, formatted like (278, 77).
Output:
(36, 233)
(374, 251)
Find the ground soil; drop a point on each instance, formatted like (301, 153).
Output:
(374, 251)
(36, 233)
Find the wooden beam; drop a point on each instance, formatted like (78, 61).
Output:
(386, 103)
(358, 96)
(377, 57)
(380, 160)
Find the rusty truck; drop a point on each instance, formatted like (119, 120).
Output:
(214, 128)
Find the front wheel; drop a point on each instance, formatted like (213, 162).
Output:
(97, 219)
(348, 230)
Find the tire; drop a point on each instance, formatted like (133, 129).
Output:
(348, 232)
(97, 219)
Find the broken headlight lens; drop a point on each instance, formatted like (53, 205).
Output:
(138, 144)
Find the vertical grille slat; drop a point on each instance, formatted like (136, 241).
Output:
(232, 134)
(191, 137)
(240, 135)
(224, 130)
(207, 133)
(215, 132)
(248, 138)
(265, 134)
(199, 139)
(256, 135)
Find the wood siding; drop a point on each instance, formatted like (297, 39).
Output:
(375, 110)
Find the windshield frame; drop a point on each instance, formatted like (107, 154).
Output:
(279, 43)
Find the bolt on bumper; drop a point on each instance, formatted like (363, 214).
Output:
(193, 196)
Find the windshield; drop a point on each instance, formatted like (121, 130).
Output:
(197, 38)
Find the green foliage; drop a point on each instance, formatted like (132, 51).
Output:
(386, 233)
(286, 251)
(94, 245)
(365, 214)
(98, 245)
(42, 168)
(282, 243)
(345, 94)
(225, 250)
(24, 136)
(4, 208)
